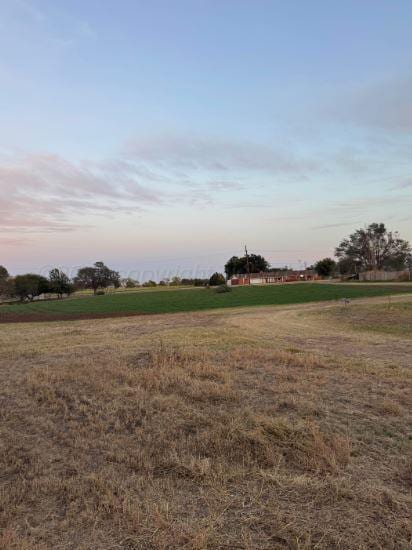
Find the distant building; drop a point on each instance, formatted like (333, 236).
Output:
(270, 277)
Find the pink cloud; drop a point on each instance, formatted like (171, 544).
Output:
(43, 192)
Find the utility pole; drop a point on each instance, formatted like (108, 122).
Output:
(247, 264)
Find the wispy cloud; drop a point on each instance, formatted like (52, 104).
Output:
(384, 105)
(86, 30)
(15, 241)
(192, 153)
(406, 184)
(28, 8)
(362, 203)
(45, 192)
(225, 186)
(333, 225)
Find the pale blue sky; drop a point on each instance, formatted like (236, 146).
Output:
(167, 134)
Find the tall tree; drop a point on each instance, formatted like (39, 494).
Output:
(374, 248)
(98, 276)
(60, 283)
(238, 266)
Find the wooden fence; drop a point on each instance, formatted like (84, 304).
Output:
(381, 275)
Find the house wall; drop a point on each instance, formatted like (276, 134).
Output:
(266, 279)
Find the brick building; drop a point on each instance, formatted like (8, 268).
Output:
(270, 277)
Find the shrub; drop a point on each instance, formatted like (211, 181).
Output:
(223, 288)
(149, 284)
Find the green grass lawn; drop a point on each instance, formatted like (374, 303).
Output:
(198, 299)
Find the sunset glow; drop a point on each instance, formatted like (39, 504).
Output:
(164, 136)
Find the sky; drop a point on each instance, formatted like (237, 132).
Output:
(162, 136)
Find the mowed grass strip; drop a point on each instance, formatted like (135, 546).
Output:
(388, 318)
(197, 299)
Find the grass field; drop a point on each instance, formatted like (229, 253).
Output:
(193, 300)
(263, 428)
(385, 318)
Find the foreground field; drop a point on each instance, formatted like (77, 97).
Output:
(260, 428)
(191, 300)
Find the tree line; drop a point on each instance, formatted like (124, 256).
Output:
(370, 248)
(29, 286)
(98, 277)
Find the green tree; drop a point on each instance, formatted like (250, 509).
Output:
(374, 248)
(60, 283)
(325, 267)
(217, 279)
(149, 283)
(98, 276)
(27, 287)
(6, 284)
(4, 274)
(238, 266)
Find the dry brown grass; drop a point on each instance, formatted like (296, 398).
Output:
(201, 431)
(390, 317)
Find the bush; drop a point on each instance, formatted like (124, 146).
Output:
(223, 288)
(149, 284)
(100, 292)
